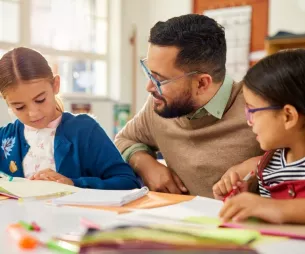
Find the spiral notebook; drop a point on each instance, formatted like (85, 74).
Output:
(101, 197)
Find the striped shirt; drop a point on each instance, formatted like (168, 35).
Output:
(278, 171)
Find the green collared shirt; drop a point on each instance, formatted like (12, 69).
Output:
(216, 107)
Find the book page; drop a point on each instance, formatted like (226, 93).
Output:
(24, 188)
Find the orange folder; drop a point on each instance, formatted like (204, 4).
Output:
(151, 200)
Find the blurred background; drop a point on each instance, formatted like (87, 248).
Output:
(96, 45)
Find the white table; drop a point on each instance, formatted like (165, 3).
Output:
(58, 220)
(54, 221)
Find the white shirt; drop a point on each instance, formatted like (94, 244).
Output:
(41, 152)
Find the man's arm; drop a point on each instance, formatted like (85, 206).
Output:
(136, 142)
(137, 135)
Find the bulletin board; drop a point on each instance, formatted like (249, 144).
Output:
(259, 20)
(237, 24)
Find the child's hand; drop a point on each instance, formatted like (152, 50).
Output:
(248, 205)
(51, 175)
(227, 183)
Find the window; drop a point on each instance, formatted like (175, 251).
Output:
(9, 21)
(72, 34)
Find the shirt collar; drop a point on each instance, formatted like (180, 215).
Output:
(216, 106)
(54, 124)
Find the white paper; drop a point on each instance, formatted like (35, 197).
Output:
(101, 197)
(199, 206)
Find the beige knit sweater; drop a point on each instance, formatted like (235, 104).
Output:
(199, 150)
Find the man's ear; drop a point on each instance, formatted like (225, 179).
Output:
(203, 83)
(56, 84)
(290, 116)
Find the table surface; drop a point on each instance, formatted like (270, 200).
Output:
(60, 220)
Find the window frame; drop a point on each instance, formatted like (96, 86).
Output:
(25, 41)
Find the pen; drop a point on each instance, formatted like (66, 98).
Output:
(6, 176)
(233, 191)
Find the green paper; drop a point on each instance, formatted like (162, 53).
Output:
(173, 234)
(237, 236)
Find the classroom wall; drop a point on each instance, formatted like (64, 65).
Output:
(286, 15)
(143, 14)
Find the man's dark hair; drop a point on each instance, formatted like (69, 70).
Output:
(201, 41)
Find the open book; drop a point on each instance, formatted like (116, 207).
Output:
(24, 188)
(101, 197)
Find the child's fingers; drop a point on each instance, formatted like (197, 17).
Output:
(228, 184)
(229, 210)
(221, 188)
(217, 193)
(242, 186)
(234, 178)
(242, 215)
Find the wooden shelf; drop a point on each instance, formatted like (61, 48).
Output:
(274, 45)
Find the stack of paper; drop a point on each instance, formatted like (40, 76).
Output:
(101, 197)
(167, 237)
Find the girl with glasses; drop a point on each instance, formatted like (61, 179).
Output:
(274, 91)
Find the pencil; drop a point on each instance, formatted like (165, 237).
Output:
(233, 191)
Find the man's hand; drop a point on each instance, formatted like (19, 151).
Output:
(161, 178)
(155, 175)
(51, 175)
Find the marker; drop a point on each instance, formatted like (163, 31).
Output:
(36, 227)
(25, 225)
(24, 240)
(233, 191)
(6, 176)
(89, 224)
(62, 246)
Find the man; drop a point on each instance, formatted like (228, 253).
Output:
(195, 114)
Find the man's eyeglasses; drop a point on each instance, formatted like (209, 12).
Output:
(250, 111)
(158, 83)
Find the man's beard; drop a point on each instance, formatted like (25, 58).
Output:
(181, 106)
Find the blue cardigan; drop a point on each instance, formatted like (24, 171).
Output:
(82, 151)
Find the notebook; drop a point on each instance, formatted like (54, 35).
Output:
(24, 188)
(101, 197)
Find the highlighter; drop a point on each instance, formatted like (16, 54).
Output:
(24, 240)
